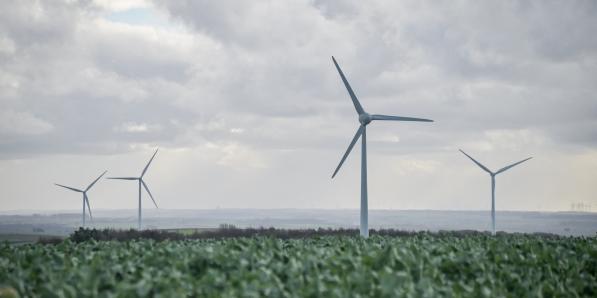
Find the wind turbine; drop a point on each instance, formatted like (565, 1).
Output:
(85, 198)
(141, 182)
(364, 119)
(492, 174)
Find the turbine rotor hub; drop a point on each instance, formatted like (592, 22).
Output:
(365, 118)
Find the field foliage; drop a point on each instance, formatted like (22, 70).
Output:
(418, 265)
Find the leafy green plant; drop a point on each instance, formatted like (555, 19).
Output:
(420, 265)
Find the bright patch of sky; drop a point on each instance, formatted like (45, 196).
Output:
(141, 16)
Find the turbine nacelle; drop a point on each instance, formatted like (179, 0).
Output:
(365, 118)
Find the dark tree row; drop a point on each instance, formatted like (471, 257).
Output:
(229, 231)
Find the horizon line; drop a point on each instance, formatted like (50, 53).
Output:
(57, 211)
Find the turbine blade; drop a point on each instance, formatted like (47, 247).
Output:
(71, 188)
(88, 206)
(355, 101)
(398, 118)
(92, 183)
(123, 178)
(512, 165)
(354, 140)
(147, 166)
(478, 163)
(149, 192)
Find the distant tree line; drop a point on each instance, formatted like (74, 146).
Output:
(230, 231)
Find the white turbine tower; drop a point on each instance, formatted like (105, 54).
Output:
(141, 182)
(364, 119)
(492, 174)
(85, 198)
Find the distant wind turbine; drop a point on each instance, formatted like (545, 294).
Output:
(85, 198)
(492, 174)
(364, 119)
(141, 182)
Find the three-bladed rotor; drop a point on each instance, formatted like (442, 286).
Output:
(85, 197)
(140, 178)
(484, 168)
(364, 117)
(141, 184)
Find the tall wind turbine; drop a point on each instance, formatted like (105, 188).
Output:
(141, 182)
(364, 119)
(85, 198)
(492, 174)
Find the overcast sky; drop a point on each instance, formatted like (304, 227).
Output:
(248, 110)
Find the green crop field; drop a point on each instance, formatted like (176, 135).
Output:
(423, 265)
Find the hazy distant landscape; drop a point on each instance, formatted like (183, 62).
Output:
(64, 222)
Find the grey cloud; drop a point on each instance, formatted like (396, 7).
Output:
(32, 23)
(255, 25)
(264, 67)
(132, 56)
(83, 82)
